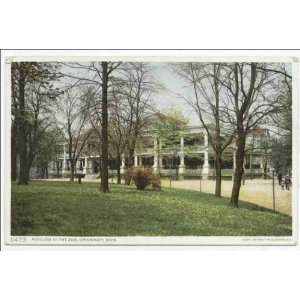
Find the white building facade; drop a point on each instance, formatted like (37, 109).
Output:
(189, 156)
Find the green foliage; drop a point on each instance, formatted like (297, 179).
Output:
(33, 94)
(48, 147)
(66, 209)
(169, 128)
(33, 76)
(282, 154)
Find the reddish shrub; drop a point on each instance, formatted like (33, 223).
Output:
(142, 177)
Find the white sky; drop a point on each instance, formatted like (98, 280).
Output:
(167, 98)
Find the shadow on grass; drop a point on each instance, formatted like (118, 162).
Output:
(65, 208)
(131, 189)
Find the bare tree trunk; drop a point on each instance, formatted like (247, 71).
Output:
(104, 168)
(13, 153)
(131, 158)
(265, 173)
(130, 164)
(239, 171)
(57, 168)
(218, 171)
(72, 163)
(22, 138)
(265, 166)
(119, 169)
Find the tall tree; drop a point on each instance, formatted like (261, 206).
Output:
(281, 120)
(204, 79)
(137, 86)
(104, 114)
(118, 129)
(32, 94)
(72, 118)
(100, 76)
(46, 153)
(252, 100)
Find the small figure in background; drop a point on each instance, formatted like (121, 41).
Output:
(287, 182)
(279, 176)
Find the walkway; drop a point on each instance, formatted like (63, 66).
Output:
(257, 191)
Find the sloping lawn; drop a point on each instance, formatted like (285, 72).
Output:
(63, 208)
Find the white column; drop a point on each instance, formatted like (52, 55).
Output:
(205, 140)
(262, 166)
(182, 165)
(160, 162)
(262, 163)
(64, 166)
(155, 162)
(205, 168)
(123, 164)
(160, 158)
(136, 160)
(206, 163)
(182, 151)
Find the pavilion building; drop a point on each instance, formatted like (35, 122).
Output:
(189, 156)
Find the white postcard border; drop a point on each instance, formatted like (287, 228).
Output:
(20, 242)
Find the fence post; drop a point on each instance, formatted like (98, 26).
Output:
(273, 182)
(200, 179)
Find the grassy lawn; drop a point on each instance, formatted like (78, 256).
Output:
(63, 208)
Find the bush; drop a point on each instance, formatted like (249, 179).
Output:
(143, 177)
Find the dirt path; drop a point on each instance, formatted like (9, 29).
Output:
(256, 191)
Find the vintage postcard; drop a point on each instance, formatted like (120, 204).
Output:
(144, 148)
